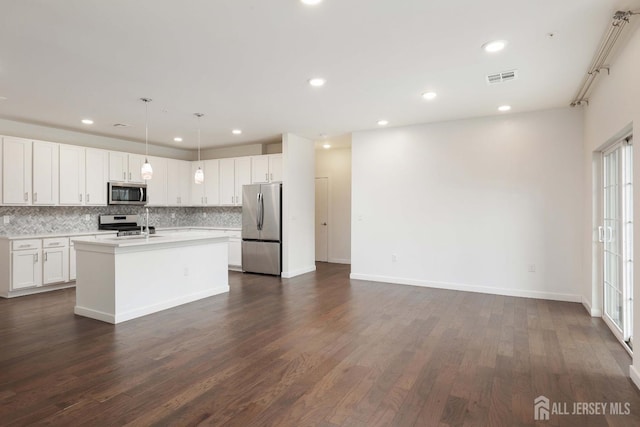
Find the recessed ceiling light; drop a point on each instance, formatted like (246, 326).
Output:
(429, 95)
(317, 82)
(87, 121)
(326, 146)
(236, 131)
(177, 139)
(494, 46)
(311, 2)
(382, 122)
(504, 108)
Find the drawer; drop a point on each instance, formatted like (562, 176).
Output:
(55, 242)
(21, 245)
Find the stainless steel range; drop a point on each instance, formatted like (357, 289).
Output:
(125, 225)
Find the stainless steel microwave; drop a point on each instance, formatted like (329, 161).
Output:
(127, 193)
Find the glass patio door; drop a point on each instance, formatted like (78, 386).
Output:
(616, 234)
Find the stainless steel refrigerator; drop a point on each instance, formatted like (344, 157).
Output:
(261, 228)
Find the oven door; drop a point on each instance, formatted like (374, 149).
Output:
(127, 193)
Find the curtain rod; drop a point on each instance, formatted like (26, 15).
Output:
(619, 21)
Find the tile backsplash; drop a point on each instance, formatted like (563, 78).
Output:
(62, 219)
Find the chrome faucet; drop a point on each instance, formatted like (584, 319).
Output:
(146, 225)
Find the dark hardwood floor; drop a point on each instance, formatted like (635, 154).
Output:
(317, 350)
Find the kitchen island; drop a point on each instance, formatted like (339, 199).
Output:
(122, 278)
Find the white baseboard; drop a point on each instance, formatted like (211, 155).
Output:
(470, 288)
(298, 272)
(340, 260)
(594, 312)
(635, 376)
(123, 316)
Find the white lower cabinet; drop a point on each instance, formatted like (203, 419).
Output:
(26, 264)
(72, 261)
(235, 253)
(55, 260)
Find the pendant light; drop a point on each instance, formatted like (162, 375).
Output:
(198, 178)
(147, 171)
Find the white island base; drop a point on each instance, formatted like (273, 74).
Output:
(119, 279)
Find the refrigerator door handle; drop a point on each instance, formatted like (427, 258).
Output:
(261, 210)
(259, 213)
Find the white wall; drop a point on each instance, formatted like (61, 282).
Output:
(335, 164)
(614, 106)
(471, 204)
(298, 205)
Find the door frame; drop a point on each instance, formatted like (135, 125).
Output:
(328, 202)
(625, 170)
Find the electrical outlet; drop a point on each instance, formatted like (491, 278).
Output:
(87, 217)
(394, 258)
(7, 219)
(173, 215)
(532, 268)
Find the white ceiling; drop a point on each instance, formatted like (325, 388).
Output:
(245, 63)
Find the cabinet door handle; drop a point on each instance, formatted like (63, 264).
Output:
(129, 176)
(35, 197)
(266, 177)
(88, 197)
(124, 176)
(202, 200)
(271, 177)
(26, 197)
(35, 258)
(80, 197)
(205, 201)
(46, 257)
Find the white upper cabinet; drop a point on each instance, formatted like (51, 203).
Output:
(197, 190)
(157, 186)
(267, 168)
(135, 168)
(227, 182)
(234, 173)
(207, 193)
(212, 182)
(178, 182)
(97, 174)
(275, 167)
(16, 171)
(243, 176)
(259, 169)
(118, 166)
(72, 175)
(45, 173)
(125, 167)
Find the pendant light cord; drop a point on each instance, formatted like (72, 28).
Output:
(198, 115)
(146, 129)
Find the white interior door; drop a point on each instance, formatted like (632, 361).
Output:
(322, 214)
(616, 234)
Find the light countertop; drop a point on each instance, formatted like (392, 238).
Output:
(102, 232)
(154, 239)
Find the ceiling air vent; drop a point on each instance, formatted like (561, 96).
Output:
(502, 77)
(121, 125)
